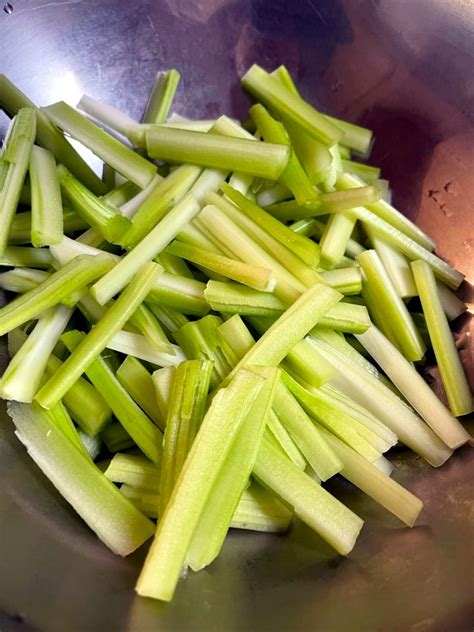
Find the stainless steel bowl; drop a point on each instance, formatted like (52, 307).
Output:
(401, 67)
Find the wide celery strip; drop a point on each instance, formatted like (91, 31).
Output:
(452, 305)
(311, 503)
(397, 266)
(136, 345)
(99, 503)
(211, 447)
(452, 373)
(410, 383)
(186, 407)
(46, 205)
(259, 510)
(335, 237)
(162, 381)
(102, 217)
(23, 375)
(364, 475)
(142, 430)
(133, 470)
(391, 306)
(344, 200)
(137, 381)
(107, 114)
(180, 293)
(150, 246)
(255, 277)
(289, 106)
(147, 323)
(24, 256)
(60, 285)
(161, 96)
(15, 158)
(116, 438)
(96, 340)
(109, 149)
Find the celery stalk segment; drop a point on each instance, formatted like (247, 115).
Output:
(46, 205)
(137, 381)
(161, 96)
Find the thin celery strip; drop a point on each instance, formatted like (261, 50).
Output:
(99, 503)
(174, 264)
(209, 180)
(452, 305)
(345, 280)
(150, 246)
(162, 381)
(58, 286)
(258, 510)
(281, 438)
(146, 322)
(180, 293)
(116, 438)
(96, 340)
(211, 447)
(346, 199)
(144, 499)
(62, 420)
(397, 266)
(161, 96)
(368, 173)
(109, 149)
(358, 138)
(290, 210)
(335, 237)
(46, 205)
(122, 194)
(142, 430)
(168, 317)
(134, 470)
(233, 298)
(137, 346)
(135, 378)
(107, 114)
(130, 207)
(15, 157)
(23, 256)
(452, 373)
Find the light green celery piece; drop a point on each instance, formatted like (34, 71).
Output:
(308, 364)
(294, 176)
(161, 96)
(100, 504)
(377, 315)
(108, 115)
(137, 381)
(91, 238)
(289, 106)
(451, 370)
(259, 510)
(162, 197)
(116, 438)
(15, 158)
(96, 340)
(347, 317)
(122, 194)
(345, 280)
(364, 475)
(46, 205)
(452, 305)
(102, 217)
(290, 210)
(386, 212)
(366, 172)
(397, 266)
(62, 420)
(209, 180)
(48, 136)
(150, 246)
(108, 174)
(233, 298)
(58, 286)
(303, 247)
(345, 200)
(237, 336)
(335, 168)
(233, 478)
(312, 504)
(265, 160)
(241, 182)
(281, 438)
(358, 138)
(216, 436)
(23, 375)
(180, 293)
(109, 149)
(130, 206)
(410, 383)
(143, 499)
(183, 122)
(170, 318)
(92, 446)
(162, 381)
(142, 430)
(24, 256)
(146, 322)
(268, 195)
(335, 238)
(174, 264)
(255, 277)
(186, 408)
(134, 470)
(136, 345)
(20, 232)
(366, 389)
(391, 306)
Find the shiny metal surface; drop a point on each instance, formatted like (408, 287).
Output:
(402, 67)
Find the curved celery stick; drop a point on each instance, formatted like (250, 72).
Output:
(135, 378)
(136, 345)
(23, 256)
(335, 237)
(396, 264)
(180, 293)
(135, 470)
(46, 205)
(107, 512)
(161, 96)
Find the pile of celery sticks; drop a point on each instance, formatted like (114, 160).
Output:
(224, 321)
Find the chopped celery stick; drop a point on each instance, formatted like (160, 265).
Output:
(235, 332)
(91, 238)
(414, 388)
(62, 420)
(391, 306)
(255, 277)
(161, 96)
(209, 180)
(103, 217)
(291, 210)
(97, 339)
(135, 378)
(345, 280)
(378, 317)
(366, 172)
(272, 195)
(101, 505)
(335, 238)
(216, 436)
(116, 438)
(241, 182)
(308, 364)
(337, 524)
(60, 285)
(162, 381)
(91, 445)
(364, 475)
(136, 345)
(186, 408)
(135, 470)
(23, 375)
(174, 265)
(168, 317)
(233, 298)
(346, 317)
(358, 138)
(150, 246)
(107, 114)
(145, 321)
(258, 510)
(396, 264)
(23, 256)
(451, 370)
(183, 122)
(303, 247)
(130, 207)
(281, 438)
(48, 136)
(266, 160)
(46, 205)
(289, 106)
(180, 293)
(452, 305)
(145, 434)
(15, 157)
(346, 199)
(122, 194)
(143, 499)
(20, 232)
(233, 478)
(109, 149)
